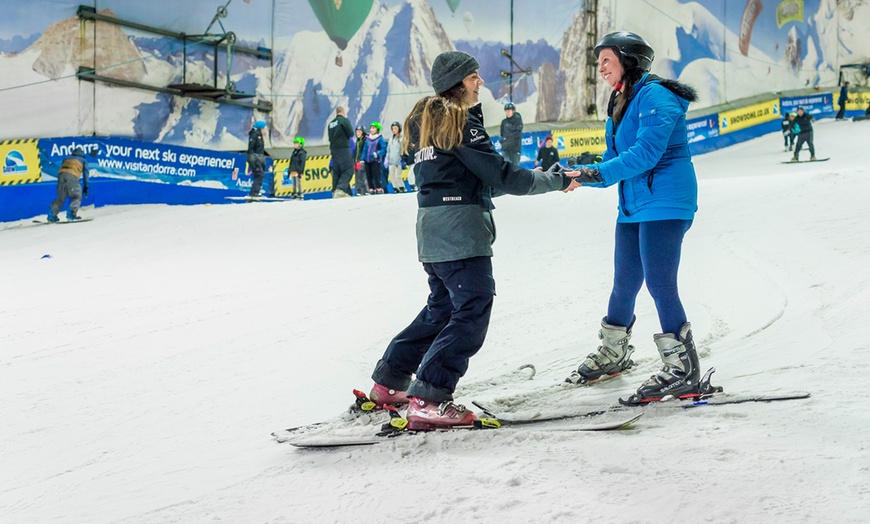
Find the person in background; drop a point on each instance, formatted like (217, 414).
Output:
(458, 172)
(844, 97)
(73, 168)
(256, 156)
(357, 146)
(297, 165)
(787, 135)
(394, 158)
(547, 155)
(340, 133)
(408, 157)
(511, 134)
(648, 157)
(373, 156)
(803, 128)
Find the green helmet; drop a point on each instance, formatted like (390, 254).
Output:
(376, 125)
(299, 140)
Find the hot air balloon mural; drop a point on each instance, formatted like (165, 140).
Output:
(453, 4)
(341, 19)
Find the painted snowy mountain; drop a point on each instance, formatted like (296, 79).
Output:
(16, 43)
(492, 63)
(383, 71)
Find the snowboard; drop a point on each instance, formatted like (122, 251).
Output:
(46, 222)
(257, 199)
(807, 161)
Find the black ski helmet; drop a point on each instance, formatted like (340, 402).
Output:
(628, 45)
(397, 125)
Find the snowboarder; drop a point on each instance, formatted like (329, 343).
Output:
(340, 134)
(648, 157)
(844, 97)
(803, 128)
(73, 168)
(511, 134)
(297, 165)
(458, 170)
(787, 135)
(256, 156)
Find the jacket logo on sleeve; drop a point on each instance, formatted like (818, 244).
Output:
(427, 153)
(475, 136)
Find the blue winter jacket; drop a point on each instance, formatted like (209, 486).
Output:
(648, 154)
(375, 149)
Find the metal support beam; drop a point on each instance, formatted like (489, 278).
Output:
(87, 13)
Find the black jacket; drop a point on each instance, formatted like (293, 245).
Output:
(454, 219)
(548, 156)
(804, 123)
(255, 143)
(340, 132)
(297, 160)
(512, 132)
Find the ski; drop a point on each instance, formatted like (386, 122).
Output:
(713, 399)
(362, 406)
(710, 396)
(398, 427)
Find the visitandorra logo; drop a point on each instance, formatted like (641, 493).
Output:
(15, 164)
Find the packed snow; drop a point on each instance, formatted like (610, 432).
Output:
(146, 356)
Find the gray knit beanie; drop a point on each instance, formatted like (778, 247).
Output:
(450, 68)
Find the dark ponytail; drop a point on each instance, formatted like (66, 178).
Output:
(619, 99)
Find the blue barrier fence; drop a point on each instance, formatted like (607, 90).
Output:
(135, 172)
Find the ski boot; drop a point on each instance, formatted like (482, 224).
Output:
(382, 395)
(611, 358)
(680, 377)
(51, 216)
(425, 415)
(71, 217)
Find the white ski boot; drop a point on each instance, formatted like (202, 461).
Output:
(611, 358)
(680, 377)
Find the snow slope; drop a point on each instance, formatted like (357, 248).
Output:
(144, 364)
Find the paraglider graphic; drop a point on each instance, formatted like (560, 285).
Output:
(453, 4)
(469, 21)
(341, 19)
(789, 11)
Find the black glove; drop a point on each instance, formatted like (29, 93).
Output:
(86, 191)
(556, 169)
(590, 175)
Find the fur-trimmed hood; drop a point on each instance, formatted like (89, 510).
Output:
(684, 91)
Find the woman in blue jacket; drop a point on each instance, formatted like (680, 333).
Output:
(648, 158)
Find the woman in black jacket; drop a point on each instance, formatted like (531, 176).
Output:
(458, 171)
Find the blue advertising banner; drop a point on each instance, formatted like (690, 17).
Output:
(126, 159)
(820, 104)
(702, 128)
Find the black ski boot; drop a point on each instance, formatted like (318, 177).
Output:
(680, 377)
(611, 358)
